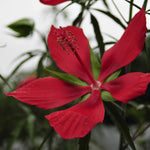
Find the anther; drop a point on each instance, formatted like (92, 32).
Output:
(67, 40)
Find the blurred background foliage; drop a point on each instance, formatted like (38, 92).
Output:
(24, 127)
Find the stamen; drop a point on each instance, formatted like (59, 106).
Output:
(67, 40)
(70, 44)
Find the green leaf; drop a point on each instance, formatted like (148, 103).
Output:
(23, 27)
(98, 34)
(120, 122)
(78, 19)
(85, 97)
(95, 65)
(68, 77)
(106, 96)
(113, 17)
(113, 76)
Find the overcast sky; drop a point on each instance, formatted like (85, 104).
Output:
(12, 10)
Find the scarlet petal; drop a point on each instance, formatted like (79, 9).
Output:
(49, 92)
(78, 120)
(52, 2)
(67, 61)
(127, 48)
(128, 86)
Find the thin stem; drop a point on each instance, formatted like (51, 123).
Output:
(119, 11)
(82, 10)
(145, 4)
(133, 4)
(141, 132)
(121, 135)
(43, 39)
(84, 142)
(49, 135)
(139, 127)
(137, 135)
(131, 10)
(5, 81)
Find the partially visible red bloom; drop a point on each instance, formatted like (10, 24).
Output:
(52, 2)
(26, 81)
(70, 49)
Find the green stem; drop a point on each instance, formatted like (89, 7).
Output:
(48, 136)
(145, 4)
(43, 39)
(138, 134)
(84, 142)
(119, 11)
(131, 10)
(121, 147)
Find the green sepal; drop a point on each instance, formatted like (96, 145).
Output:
(113, 76)
(85, 97)
(95, 65)
(106, 96)
(23, 27)
(68, 77)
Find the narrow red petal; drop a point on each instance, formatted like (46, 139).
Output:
(78, 120)
(49, 92)
(127, 48)
(65, 57)
(52, 2)
(128, 87)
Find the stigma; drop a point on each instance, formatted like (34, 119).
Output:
(96, 86)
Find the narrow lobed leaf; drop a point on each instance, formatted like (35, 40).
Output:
(68, 77)
(106, 96)
(113, 17)
(98, 34)
(113, 76)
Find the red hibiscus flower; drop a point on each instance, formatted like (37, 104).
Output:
(70, 49)
(52, 2)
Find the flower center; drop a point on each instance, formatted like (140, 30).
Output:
(96, 86)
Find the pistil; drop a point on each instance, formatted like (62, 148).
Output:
(96, 86)
(70, 44)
